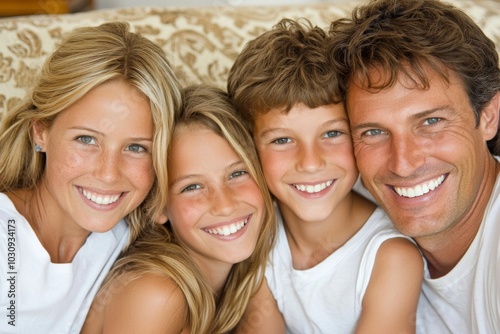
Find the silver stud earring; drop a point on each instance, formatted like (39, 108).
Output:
(38, 148)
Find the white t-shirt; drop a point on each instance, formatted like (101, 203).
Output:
(328, 297)
(37, 296)
(467, 299)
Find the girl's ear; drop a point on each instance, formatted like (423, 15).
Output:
(162, 218)
(490, 118)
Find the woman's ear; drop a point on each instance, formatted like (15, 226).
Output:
(38, 132)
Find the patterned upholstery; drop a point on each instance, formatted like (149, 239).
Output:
(201, 43)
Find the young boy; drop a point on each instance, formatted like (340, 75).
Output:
(338, 265)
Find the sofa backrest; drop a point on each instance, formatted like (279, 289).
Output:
(201, 43)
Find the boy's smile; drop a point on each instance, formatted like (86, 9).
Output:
(307, 158)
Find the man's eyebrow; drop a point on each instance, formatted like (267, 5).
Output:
(427, 113)
(364, 126)
(417, 116)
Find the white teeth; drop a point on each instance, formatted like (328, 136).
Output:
(420, 189)
(311, 189)
(228, 229)
(99, 199)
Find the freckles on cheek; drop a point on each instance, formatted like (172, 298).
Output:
(150, 173)
(66, 160)
(75, 160)
(139, 173)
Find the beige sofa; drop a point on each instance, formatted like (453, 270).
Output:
(201, 43)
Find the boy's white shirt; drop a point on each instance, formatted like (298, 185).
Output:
(327, 298)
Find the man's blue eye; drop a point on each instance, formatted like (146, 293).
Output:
(432, 120)
(373, 132)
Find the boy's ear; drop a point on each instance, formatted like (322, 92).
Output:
(490, 118)
(162, 218)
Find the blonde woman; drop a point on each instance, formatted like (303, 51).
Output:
(195, 274)
(80, 164)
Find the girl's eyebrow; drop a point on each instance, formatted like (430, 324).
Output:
(235, 164)
(183, 178)
(194, 176)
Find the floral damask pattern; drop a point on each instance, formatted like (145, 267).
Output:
(201, 43)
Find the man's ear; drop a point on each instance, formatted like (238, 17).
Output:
(490, 115)
(162, 218)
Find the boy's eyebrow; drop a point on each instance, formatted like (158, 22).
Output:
(328, 123)
(270, 131)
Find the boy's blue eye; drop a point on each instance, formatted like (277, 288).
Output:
(88, 140)
(333, 133)
(281, 141)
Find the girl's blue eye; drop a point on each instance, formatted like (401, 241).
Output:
(136, 148)
(88, 140)
(238, 173)
(191, 187)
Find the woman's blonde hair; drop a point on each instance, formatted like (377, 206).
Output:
(157, 250)
(88, 57)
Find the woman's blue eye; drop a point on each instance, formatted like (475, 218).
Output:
(136, 148)
(88, 140)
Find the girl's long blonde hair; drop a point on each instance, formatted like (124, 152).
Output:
(157, 251)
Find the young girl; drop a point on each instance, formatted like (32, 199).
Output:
(196, 273)
(79, 173)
